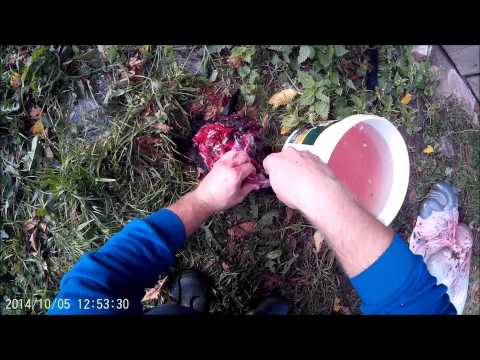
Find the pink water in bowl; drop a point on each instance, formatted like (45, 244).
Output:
(362, 161)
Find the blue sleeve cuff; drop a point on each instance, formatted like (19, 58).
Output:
(387, 276)
(174, 232)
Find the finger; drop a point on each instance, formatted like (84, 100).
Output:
(228, 156)
(241, 157)
(268, 162)
(245, 170)
(247, 188)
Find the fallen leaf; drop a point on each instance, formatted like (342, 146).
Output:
(37, 128)
(135, 68)
(212, 111)
(48, 152)
(154, 293)
(35, 112)
(406, 99)
(288, 215)
(146, 145)
(30, 224)
(283, 97)
(285, 130)
(33, 240)
(239, 231)
(149, 109)
(225, 266)
(235, 62)
(272, 255)
(161, 127)
(15, 81)
(428, 150)
(337, 305)
(266, 120)
(318, 239)
(43, 226)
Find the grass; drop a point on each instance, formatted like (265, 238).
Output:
(86, 180)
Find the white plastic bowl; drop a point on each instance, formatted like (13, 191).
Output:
(334, 131)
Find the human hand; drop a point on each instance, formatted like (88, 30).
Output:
(223, 187)
(303, 181)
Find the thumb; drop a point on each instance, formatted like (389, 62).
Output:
(267, 162)
(247, 188)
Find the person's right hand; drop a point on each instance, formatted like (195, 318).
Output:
(303, 181)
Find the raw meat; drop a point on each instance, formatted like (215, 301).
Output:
(231, 132)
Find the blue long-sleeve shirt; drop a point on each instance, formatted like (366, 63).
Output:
(112, 279)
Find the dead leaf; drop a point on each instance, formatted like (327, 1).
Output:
(285, 130)
(73, 215)
(274, 254)
(48, 152)
(154, 293)
(406, 99)
(266, 120)
(239, 231)
(225, 266)
(288, 215)
(283, 97)
(43, 226)
(37, 128)
(337, 305)
(146, 146)
(318, 239)
(34, 241)
(428, 150)
(135, 68)
(15, 81)
(212, 111)
(30, 224)
(35, 112)
(161, 127)
(235, 62)
(149, 109)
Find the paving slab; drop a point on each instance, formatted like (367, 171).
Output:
(466, 58)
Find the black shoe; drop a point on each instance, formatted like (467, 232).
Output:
(191, 289)
(272, 305)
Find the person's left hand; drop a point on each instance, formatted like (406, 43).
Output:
(223, 187)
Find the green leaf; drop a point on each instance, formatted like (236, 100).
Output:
(326, 56)
(253, 76)
(28, 158)
(290, 121)
(340, 50)
(339, 91)
(350, 84)
(323, 83)
(319, 93)
(306, 52)
(322, 107)
(244, 71)
(40, 212)
(334, 78)
(305, 79)
(243, 52)
(358, 102)
(275, 60)
(272, 255)
(286, 50)
(308, 97)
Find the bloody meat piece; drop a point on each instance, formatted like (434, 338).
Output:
(215, 139)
